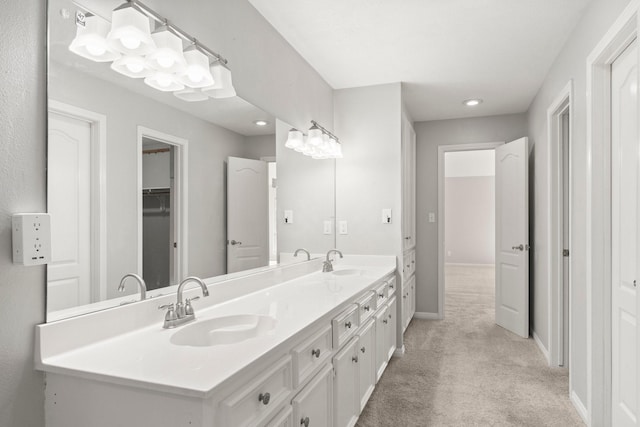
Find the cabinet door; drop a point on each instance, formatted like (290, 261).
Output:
(382, 322)
(313, 405)
(367, 361)
(391, 328)
(346, 404)
(408, 184)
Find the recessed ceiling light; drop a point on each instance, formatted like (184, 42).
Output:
(261, 123)
(472, 102)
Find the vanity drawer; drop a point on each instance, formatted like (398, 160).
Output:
(382, 294)
(345, 325)
(367, 306)
(311, 354)
(283, 419)
(255, 401)
(391, 287)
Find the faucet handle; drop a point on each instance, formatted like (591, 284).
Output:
(171, 312)
(188, 308)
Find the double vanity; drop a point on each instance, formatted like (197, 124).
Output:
(287, 346)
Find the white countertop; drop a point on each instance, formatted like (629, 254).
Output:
(146, 358)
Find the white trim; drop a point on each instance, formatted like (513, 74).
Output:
(580, 408)
(399, 352)
(554, 216)
(466, 264)
(442, 149)
(543, 349)
(268, 159)
(598, 212)
(181, 161)
(98, 124)
(426, 316)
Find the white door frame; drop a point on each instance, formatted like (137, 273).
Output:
(181, 162)
(98, 190)
(555, 196)
(598, 220)
(442, 150)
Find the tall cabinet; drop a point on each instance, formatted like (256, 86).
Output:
(407, 268)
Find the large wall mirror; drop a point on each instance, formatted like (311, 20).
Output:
(142, 182)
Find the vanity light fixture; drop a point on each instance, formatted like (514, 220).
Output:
(193, 74)
(91, 38)
(472, 102)
(319, 144)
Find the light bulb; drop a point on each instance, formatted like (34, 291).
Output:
(130, 42)
(195, 74)
(96, 49)
(165, 61)
(135, 67)
(164, 80)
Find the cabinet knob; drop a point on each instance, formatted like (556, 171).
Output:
(367, 308)
(264, 398)
(389, 316)
(363, 349)
(385, 321)
(380, 295)
(347, 325)
(354, 359)
(404, 296)
(407, 238)
(315, 352)
(304, 421)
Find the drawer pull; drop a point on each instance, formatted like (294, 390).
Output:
(347, 325)
(315, 352)
(363, 349)
(385, 321)
(354, 359)
(392, 286)
(389, 316)
(304, 421)
(380, 295)
(367, 308)
(264, 398)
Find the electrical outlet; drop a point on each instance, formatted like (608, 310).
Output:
(31, 234)
(386, 216)
(327, 227)
(343, 227)
(288, 217)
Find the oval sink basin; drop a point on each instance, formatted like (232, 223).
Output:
(347, 272)
(223, 330)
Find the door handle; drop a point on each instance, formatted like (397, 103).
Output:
(520, 247)
(234, 242)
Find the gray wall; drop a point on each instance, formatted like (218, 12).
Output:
(469, 209)
(259, 146)
(429, 136)
(570, 64)
(295, 92)
(22, 174)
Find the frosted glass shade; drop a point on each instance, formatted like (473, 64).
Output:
(164, 82)
(91, 40)
(295, 139)
(191, 95)
(167, 56)
(132, 66)
(223, 85)
(130, 31)
(197, 73)
(315, 136)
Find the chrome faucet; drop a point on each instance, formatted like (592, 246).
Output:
(327, 267)
(302, 250)
(183, 311)
(141, 285)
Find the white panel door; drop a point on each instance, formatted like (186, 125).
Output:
(313, 405)
(247, 214)
(69, 204)
(346, 401)
(512, 237)
(367, 361)
(624, 238)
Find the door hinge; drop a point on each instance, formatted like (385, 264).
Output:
(565, 252)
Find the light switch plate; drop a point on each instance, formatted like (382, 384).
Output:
(288, 217)
(432, 217)
(386, 216)
(343, 227)
(31, 235)
(327, 228)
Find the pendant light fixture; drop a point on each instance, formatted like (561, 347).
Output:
(130, 31)
(90, 41)
(159, 58)
(167, 57)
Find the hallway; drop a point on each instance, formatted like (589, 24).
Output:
(465, 370)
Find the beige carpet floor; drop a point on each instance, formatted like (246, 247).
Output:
(467, 371)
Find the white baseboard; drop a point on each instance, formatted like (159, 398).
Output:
(466, 264)
(541, 346)
(582, 410)
(399, 352)
(426, 316)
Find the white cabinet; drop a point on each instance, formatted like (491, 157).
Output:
(313, 405)
(366, 361)
(311, 354)
(390, 333)
(408, 301)
(346, 404)
(408, 185)
(382, 324)
(284, 418)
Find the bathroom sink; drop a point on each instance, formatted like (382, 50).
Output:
(223, 330)
(348, 272)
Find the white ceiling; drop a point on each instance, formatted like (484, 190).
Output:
(444, 51)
